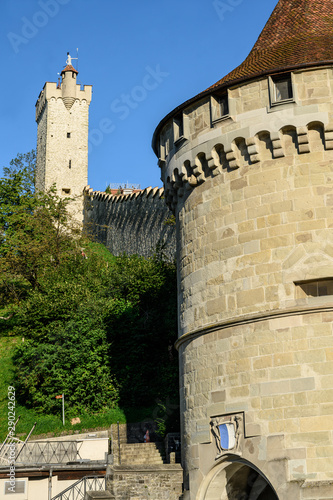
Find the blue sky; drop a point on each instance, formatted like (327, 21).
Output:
(184, 45)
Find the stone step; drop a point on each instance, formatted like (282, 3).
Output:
(141, 453)
(136, 446)
(139, 449)
(141, 462)
(136, 461)
(128, 453)
(141, 457)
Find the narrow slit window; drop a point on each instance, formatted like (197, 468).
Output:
(70, 164)
(314, 288)
(68, 135)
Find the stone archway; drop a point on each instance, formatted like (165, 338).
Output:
(237, 480)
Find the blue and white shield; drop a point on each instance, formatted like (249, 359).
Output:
(227, 436)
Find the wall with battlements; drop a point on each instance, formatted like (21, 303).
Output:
(136, 223)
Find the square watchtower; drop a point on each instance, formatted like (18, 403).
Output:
(62, 115)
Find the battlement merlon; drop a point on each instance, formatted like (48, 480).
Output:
(51, 89)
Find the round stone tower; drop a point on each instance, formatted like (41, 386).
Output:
(247, 167)
(62, 113)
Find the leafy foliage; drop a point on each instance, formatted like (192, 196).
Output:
(24, 166)
(98, 328)
(72, 360)
(35, 230)
(123, 315)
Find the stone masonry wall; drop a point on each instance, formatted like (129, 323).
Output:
(62, 143)
(253, 198)
(256, 232)
(278, 374)
(134, 224)
(138, 472)
(156, 482)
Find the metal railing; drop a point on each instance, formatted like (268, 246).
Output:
(43, 452)
(12, 446)
(78, 490)
(119, 447)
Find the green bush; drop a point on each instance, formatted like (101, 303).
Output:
(73, 361)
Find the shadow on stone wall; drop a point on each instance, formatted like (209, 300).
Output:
(137, 223)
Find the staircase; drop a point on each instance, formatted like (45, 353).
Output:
(141, 454)
(135, 453)
(78, 490)
(139, 470)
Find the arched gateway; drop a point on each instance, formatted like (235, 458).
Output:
(236, 479)
(247, 167)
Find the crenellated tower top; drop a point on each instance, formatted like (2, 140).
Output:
(62, 112)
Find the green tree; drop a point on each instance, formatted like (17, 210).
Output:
(60, 298)
(23, 165)
(127, 308)
(35, 228)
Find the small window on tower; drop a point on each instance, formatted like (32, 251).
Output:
(281, 89)
(219, 107)
(68, 135)
(66, 191)
(178, 128)
(161, 150)
(70, 164)
(314, 288)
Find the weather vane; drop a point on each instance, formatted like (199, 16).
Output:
(70, 59)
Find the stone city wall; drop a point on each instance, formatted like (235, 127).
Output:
(136, 223)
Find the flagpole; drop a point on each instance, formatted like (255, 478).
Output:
(63, 408)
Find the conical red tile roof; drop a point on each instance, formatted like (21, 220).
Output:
(69, 67)
(298, 33)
